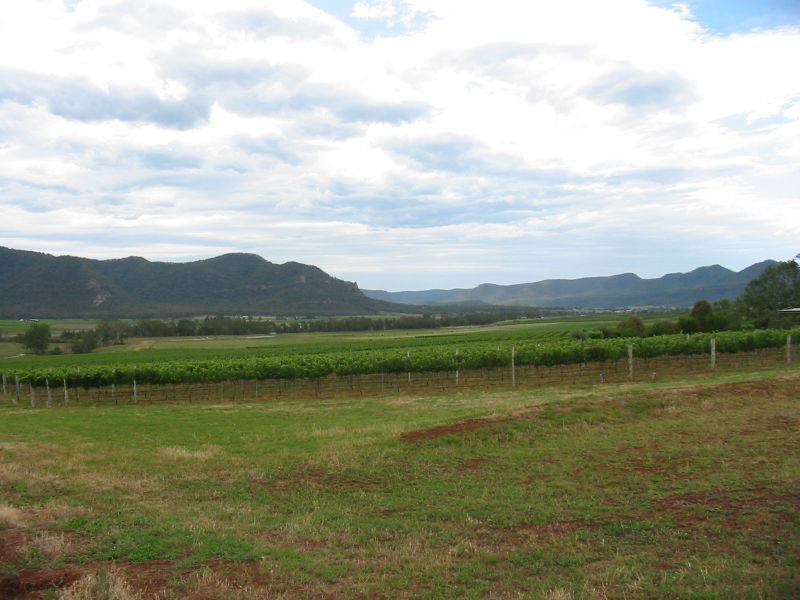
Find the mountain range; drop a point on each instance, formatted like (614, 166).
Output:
(616, 291)
(39, 285)
(33, 284)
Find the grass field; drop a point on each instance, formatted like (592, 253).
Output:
(677, 490)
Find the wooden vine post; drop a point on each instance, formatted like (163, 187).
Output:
(630, 362)
(713, 353)
(513, 367)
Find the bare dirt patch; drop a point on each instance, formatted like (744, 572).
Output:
(147, 579)
(473, 465)
(467, 425)
(308, 476)
(736, 511)
(535, 534)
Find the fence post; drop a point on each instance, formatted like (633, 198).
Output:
(630, 362)
(788, 355)
(66, 392)
(16, 386)
(49, 393)
(408, 356)
(513, 367)
(456, 366)
(713, 353)
(4, 385)
(134, 391)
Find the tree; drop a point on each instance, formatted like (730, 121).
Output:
(688, 325)
(631, 327)
(37, 338)
(186, 327)
(112, 332)
(664, 327)
(84, 342)
(776, 288)
(702, 313)
(726, 317)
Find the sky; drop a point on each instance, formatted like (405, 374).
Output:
(405, 144)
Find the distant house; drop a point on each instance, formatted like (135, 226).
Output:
(790, 310)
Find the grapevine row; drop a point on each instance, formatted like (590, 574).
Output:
(399, 360)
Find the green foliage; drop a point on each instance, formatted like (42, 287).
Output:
(112, 332)
(434, 357)
(702, 312)
(688, 325)
(633, 326)
(664, 327)
(725, 316)
(84, 342)
(37, 338)
(776, 288)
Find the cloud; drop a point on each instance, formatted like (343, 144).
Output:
(265, 23)
(391, 12)
(346, 104)
(643, 91)
(416, 143)
(79, 99)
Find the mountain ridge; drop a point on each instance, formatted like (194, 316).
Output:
(47, 286)
(625, 290)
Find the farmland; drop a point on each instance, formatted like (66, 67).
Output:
(400, 354)
(417, 484)
(636, 490)
(158, 349)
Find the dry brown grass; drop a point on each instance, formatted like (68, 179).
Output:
(52, 545)
(204, 453)
(558, 594)
(106, 585)
(8, 472)
(11, 517)
(209, 585)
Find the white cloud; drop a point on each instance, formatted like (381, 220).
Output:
(504, 141)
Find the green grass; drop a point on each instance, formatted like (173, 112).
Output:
(639, 491)
(13, 327)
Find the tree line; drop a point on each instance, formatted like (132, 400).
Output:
(38, 337)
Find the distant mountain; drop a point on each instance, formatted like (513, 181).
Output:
(617, 291)
(40, 285)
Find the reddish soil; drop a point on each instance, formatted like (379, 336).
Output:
(457, 427)
(691, 508)
(473, 465)
(26, 582)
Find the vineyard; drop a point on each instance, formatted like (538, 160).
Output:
(399, 362)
